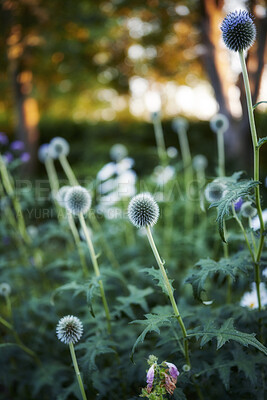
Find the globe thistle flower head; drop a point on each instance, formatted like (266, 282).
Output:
(238, 30)
(77, 200)
(179, 124)
(200, 162)
(215, 191)
(61, 194)
(247, 210)
(219, 123)
(43, 152)
(59, 147)
(143, 210)
(5, 289)
(118, 152)
(69, 329)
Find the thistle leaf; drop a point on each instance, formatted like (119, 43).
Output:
(234, 191)
(152, 323)
(225, 333)
(207, 268)
(156, 275)
(136, 297)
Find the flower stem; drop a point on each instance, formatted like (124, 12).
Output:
(9, 187)
(93, 220)
(96, 268)
(221, 153)
(77, 241)
(54, 185)
(256, 172)
(77, 371)
(160, 141)
(188, 174)
(68, 170)
(169, 291)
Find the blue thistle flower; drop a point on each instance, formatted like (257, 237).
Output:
(77, 200)
(58, 147)
(238, 30)
(69, 329)
(143, 210)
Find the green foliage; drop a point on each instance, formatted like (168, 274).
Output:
(234, 190)
(152, 323)
(225, 333)
(207, 268)
(157, 276)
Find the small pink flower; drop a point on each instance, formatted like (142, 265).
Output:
(172, 370)
(150, 376)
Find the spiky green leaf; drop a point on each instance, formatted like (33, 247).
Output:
(207, 268)
(225, 333)
(234, 190)
(152, 323)
(157, 276)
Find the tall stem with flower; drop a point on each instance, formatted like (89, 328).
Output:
(239, 33)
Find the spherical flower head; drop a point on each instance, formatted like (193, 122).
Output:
(186, 368)
(8, 157)
(200, 162)
(172, 370)
(69, 329)
(238, 30)
(238, 204)
(150, 376)
(17, 145)
(143, 210)
(58, 147)
(219, 123)
(5, 289)
(61, 194)
(78, 200)
(215, 191)
(3, 139)
(25, 157)
(118, 152)
(43, 152)
(179, 124)
(247, 210)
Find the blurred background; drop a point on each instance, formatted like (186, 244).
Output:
(94, 71)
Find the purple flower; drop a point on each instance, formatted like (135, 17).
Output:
(172, 370)
(150, 376)
(8, 157)
(238, 30)
(25, 157)
(17, 145)
(238, 204)
(3, 139)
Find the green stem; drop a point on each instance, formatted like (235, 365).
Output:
(188, 174)
(9, 187)
(160, 141)
(244, 232)
(96, 268)
(95, 225)
(54, 185)
(256, 171)
(221, 154)
(77, 241)
(77, 371)
(68, 170)
(169, 291)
